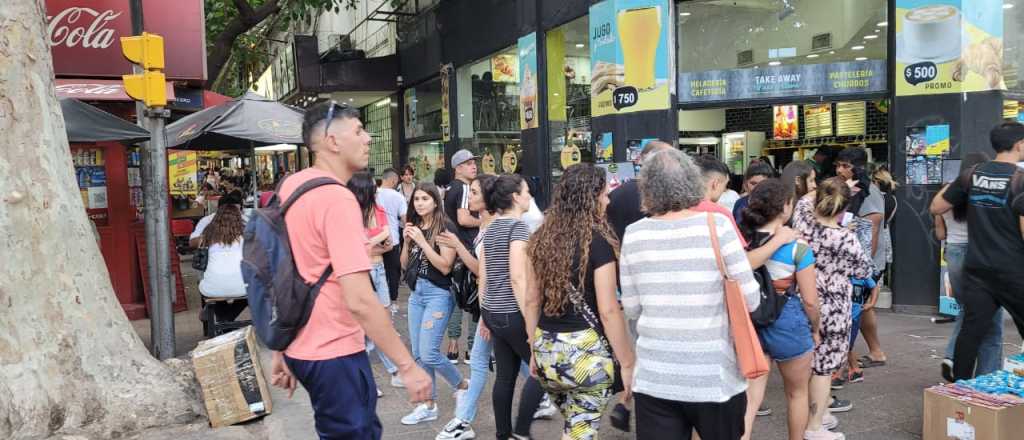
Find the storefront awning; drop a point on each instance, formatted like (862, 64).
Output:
(98, 89)
(85, 123)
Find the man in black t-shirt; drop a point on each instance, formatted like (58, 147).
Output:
(624, 203)
(456, 199)
(993, 275)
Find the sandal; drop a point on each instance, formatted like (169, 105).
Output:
(867, 362)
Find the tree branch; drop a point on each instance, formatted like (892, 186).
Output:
(220, 51)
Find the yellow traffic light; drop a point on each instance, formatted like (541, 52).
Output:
(148, 87)
(146, 50)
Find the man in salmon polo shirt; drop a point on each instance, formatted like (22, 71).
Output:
(328, 356)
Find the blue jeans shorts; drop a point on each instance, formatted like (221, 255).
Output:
(789, 337)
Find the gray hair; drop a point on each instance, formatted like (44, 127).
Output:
(669, 181)
(389, 173)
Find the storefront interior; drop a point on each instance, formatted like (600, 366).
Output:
(488, 93)
(569, 98)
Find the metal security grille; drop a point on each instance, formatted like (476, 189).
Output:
(377, 118)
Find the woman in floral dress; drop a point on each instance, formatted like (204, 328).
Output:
(839, 257)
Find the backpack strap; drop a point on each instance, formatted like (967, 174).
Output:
(307, 186)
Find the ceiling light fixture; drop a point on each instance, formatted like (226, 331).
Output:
(882, 24)
(579, 45)
(831, 52)
(870, 37)
(857, 48)
(684, 14)
(813, 55)
(1007, 5)
(775, 63)
(861, 59)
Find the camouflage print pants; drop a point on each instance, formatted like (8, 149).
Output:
(577, 372)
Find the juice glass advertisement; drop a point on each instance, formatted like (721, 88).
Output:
(949, 46)
(631, 56)
(528, 84)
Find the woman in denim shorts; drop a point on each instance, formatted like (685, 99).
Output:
(791, 339)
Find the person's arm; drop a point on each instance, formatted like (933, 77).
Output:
(939, 204)
(940, 228)
(451, 240)
(876, 229)
(517, 262)
(631, 303)
(531, 314)
(807, 284)
(467, 220)
(481, 278)
(613, 320)
(404, 258)
(758, 257)
(442, 261)
(362, 303)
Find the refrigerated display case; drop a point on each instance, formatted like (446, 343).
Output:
(738, 149)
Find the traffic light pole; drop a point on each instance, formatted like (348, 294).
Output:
(159, 262)
(157, 223)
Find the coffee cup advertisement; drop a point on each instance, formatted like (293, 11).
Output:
(631, 55)
(948, 46)
(528, 114)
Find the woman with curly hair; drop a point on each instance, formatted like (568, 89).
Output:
(577, 325)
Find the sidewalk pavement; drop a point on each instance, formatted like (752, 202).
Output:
(887, 405)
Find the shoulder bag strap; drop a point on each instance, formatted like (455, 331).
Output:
(714, 246)
(307, 186)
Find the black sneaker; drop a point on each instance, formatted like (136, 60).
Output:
(466, 360)
(838, 383)
(857, 377)
(453, 357)
(839, 406)
(947, 370)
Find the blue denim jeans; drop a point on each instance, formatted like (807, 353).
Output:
(430, 308)
(380, 284)
(990, 353)
(479, 368)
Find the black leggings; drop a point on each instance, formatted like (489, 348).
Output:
(508, 335)
(393, 269)
(983, 293)
(660, 419)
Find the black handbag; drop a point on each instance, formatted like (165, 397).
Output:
(464, 288)
(201, 258)
(412, 270)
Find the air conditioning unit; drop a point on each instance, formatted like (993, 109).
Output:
(745, 58)
(821, 42)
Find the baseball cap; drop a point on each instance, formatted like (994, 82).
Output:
(462, 156)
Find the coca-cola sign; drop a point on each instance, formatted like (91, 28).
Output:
(85, 36)
(97, 89)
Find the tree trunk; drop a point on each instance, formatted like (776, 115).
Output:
(69, 360)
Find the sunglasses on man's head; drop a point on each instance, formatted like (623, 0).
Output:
(330, 114)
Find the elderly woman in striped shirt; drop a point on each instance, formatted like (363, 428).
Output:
(687, 377)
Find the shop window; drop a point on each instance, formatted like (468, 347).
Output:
(488, 92)
(823, 47)
(426, 158)
(377, 118)
(568, 48)
(423, 110)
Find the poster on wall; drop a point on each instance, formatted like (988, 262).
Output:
(504, 68)
(937, 138)
(618, 173)
(785, 125)
(630, 54)
(409, 104)
(605, 148)
(446, 133)
(817, 120)
(425, 158)
(528, 114)
(949, 46)
(846, 78)
(182, 171)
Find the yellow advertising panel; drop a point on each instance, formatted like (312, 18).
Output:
(182, 170)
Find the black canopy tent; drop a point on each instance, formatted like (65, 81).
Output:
(85, 123)
(242, 123)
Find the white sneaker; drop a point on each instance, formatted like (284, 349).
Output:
(456, 430)
(380, 393)
(397, 381)
(829, 422)
(421, 414)
(823, 435)
(546, 409)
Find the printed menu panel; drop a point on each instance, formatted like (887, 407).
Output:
(851, 118)
(817, 120)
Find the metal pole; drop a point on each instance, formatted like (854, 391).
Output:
(162, 291)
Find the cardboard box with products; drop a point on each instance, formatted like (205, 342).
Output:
(946, 418)
(231, 377)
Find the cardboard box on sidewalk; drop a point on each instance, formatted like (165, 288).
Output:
(947, 418)
(229, 372)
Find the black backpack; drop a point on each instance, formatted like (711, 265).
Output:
(464, 288)
(279, 299)
(771, 303)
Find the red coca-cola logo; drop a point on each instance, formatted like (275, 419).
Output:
(81, 26)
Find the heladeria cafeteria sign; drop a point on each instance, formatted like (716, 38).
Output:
(85, 36)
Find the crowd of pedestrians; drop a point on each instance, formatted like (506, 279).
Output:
(618, 298)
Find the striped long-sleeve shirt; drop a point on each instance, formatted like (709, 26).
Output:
(671, 283)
